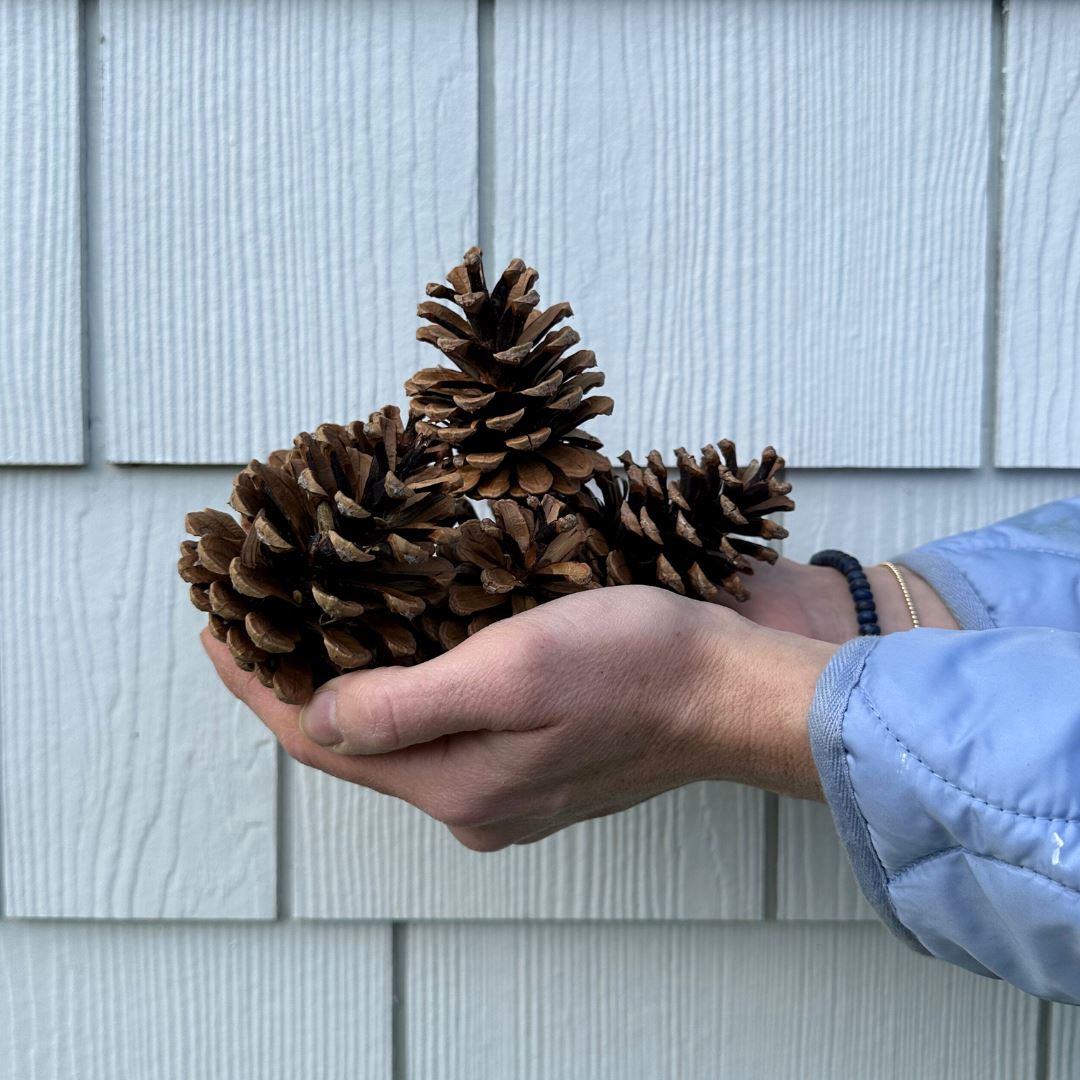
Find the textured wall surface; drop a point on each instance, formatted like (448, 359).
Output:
(850, 230)
(782, 204)
(41, 384)
(1039, 380)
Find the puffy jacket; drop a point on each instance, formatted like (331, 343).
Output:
(951, 758)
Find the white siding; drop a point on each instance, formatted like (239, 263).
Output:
(1039, 376)
(630, 1002)
(696, 853)
(211, 1002)
(134, 785)
(41, 388)
(770, 218)
(1064, 1042)
(278, 182)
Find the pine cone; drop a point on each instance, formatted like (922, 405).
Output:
(598, 513)
(512, 410)
(334, 558)
(686, 534)
(528, 554)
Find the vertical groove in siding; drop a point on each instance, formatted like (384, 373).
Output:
(93, 241)
(1038, 374)
(283, 836)
(487, 146)
(770, 897)
(1043, 1042)
(208, 1002)
(770, 218)
(41, 418)
(995, 213)
(133, 785)
(1063, 1034)
(605, 1001)
(695, 853)
(279, 183)
(399, 1019)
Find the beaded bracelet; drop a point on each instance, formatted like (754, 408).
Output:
(858, 583)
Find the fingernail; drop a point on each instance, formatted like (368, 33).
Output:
(318, 719)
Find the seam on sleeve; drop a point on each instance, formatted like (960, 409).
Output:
(1042, 551)
(1063, 818)
(916, 863)
(922, 860)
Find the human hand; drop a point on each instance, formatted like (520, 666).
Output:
(576, 709)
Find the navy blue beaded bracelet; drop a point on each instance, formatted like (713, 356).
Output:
(858, 583)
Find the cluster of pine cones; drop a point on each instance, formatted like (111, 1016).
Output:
(360, 546)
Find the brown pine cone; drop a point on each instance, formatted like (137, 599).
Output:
(511, 412)
(333, 559)
(530, 553)
(598, 513)
(688, 534)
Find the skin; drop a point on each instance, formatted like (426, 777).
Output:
(590, 704)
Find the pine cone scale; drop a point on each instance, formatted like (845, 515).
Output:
(517, 387)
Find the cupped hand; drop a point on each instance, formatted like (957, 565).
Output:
(576, 709)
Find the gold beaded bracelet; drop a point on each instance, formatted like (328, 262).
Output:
(904, 590)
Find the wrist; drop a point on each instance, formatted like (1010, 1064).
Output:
(827, 605)
(755, 692)
(892, 608)
(826, 601)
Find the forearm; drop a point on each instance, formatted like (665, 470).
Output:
(754, 686)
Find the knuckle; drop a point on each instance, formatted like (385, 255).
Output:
(369, 719)
(375, 716)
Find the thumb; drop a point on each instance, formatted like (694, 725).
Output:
(385, 709)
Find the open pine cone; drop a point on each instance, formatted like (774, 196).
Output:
(333, 560)
(688, 534)
(512, 409)
(598, 513)
(530, 553)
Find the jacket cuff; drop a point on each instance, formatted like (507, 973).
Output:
(826, 722)
(948, 581)
(1022, 571)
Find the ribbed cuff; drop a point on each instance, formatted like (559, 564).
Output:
(826, 722)
(959, 595)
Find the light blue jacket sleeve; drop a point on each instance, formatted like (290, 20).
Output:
(951, 758)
